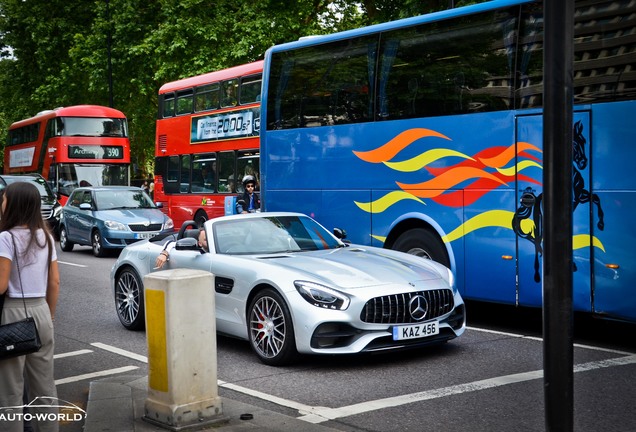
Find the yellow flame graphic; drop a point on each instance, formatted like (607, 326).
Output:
(519, 167)
(581, 241)
(492, 218)
(381, 204)
(424, 159)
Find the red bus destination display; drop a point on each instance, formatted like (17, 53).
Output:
(95, 152)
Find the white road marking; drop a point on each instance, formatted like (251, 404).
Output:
(590, 347)
(321, 415)
(121, 352)
(95, 375)
(318, 414)
(71, 264)
(72, 353)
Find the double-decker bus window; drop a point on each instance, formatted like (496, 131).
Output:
(250, 90)
(184, 102)
(207, 97)
(185, 174)
(204, 173)
(171, 181)
(450, 67)
(229, 91)
(248, 163)
(168, 106)
(326, 85)
(227, 165)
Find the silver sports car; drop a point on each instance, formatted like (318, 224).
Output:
(288, 286)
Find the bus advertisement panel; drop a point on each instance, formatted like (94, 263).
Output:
(82, 145)
(207, 140)
(425, 135)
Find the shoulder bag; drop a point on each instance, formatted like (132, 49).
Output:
(21, 337)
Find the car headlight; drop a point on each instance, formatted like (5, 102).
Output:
(57, 212)
(114, 225)
(168, 224)
(451, 279)
(322, 296)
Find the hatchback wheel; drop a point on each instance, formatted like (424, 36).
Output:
(65, 243)
(97, 244)
(270, 329)
(129, 299)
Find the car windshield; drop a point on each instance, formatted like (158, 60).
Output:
(40, 183)
(271, 234)
(120, 200)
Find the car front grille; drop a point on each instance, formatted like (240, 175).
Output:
(47, 211)
(144, 228)
(394, 309)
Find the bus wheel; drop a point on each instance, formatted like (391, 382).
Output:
(424, 243)
(200, 218)
(65, 243)
(97, 244)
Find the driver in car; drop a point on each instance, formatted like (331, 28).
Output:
(164, 255)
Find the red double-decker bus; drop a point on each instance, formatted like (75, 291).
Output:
(73, 146)
(207, 141)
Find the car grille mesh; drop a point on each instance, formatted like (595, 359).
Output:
(394, 309)
(143, 228)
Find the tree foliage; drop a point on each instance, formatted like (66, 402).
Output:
(59, 53)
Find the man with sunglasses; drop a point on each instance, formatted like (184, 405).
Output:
(249, 202)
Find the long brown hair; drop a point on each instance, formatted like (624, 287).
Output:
(24, 209)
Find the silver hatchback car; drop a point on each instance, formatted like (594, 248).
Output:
(110, 217)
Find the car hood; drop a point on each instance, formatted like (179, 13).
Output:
(354, 267)
(127, 216)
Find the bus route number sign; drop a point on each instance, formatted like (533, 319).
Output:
(95, 152)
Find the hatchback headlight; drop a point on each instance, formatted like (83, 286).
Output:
(322, 296)
(168, 224)
(114, 225)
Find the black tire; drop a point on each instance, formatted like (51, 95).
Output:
(129, 299)
(424, 243)
(270, 329)
(65, 244)
(97, 244)
(200, 217)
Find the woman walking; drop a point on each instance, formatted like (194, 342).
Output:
(28, 263)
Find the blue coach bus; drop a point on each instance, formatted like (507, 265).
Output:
(425, 135)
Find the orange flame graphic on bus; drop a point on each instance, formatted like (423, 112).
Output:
(485, 170)
(446, 183)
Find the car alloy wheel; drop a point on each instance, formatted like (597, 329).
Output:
(270, 328)
(129, 299)
(96, 242)
(65, 244)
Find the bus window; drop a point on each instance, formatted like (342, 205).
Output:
(229, 89)
(184, 102)
(184, 187)
(168, 106)
(204, 173)
(227, 162)
(247, 163)
(250, 90)
(207, 97)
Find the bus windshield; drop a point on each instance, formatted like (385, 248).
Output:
(85, 126)
(75, 175)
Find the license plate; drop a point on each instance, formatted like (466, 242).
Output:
(144, 235)
(415, 331)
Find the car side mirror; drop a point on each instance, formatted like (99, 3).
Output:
(341, 234)
(188, 244)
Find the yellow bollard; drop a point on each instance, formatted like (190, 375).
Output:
(182, 362)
